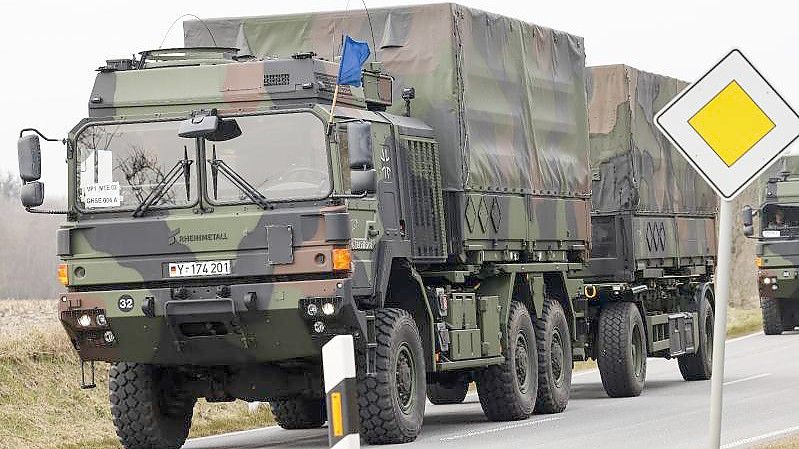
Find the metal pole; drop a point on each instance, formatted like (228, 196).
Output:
(341, 389)
(723, 269)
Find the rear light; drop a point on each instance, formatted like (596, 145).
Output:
(63, 274)
(342, 259)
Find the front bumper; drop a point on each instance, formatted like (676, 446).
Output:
(210, 325)
(780, 283)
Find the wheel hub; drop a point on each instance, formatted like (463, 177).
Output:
(556, 356)
(405, 378)
(521, 358)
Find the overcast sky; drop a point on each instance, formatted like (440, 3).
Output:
(51, 48)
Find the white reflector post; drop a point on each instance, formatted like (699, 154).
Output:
(341, 388)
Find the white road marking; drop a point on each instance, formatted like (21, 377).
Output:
(500, 429)
(745, 337)
(765, 436)
(745, 379)
(232, 434)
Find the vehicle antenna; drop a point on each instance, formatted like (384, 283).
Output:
(178, 19)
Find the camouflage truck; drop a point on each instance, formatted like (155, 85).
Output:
(777, 249)
(654, 236)
(222, 226)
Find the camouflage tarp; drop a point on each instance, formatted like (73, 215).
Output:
(506, 98)
(634, 166)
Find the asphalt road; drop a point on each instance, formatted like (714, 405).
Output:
(761, 402)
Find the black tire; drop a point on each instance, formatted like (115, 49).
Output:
(148, 408)
(508, 391)
(554, 359)
(299, 413)
(621, 350)
(448, 391)
(772, 316)
(392, 400)
(699, 366)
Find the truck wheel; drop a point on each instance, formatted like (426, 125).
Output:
(622, 350)
(554, 359)
(148, 409)
(772, 316)
(699, 366)
(448, 391)
(508, 391)
(299, 413)
(392, 400)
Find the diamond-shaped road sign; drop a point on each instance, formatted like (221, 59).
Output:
(731, 124)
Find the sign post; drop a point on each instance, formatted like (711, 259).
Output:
(731, 125)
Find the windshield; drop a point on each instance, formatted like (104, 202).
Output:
(282, 156)
(780, 220)
(120, 164)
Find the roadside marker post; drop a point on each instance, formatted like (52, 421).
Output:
(341, 389)
(730, 125)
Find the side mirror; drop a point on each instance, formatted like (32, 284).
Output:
(363, 181)
(359, 145)
(32, 194)
(198, 126)
(746, 218)
(30, 158)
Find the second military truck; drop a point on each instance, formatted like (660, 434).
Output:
(221, 228)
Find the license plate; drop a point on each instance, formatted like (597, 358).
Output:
(205, 268)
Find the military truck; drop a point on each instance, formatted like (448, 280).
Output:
(777, 250)
(225, 221)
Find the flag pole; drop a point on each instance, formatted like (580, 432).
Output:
(333, 106)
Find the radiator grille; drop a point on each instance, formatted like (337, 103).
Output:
(277, 79)
(427, 206)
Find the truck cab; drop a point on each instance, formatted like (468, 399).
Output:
(777, 251)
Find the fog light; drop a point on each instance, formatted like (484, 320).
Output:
(85, 321)
(109, 337)
(767, 281)
(774, 287)
(312, 310)
(319, 327)
(101, 320)
(328, 308)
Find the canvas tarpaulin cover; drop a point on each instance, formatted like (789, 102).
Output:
(634, 166)
(506, 98)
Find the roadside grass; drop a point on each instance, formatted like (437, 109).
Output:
(791, 442)
(41, 406)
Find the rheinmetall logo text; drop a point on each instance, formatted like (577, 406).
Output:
(176, 237)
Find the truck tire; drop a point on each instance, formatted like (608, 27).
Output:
(772, 316)
(449, 391)
(508, 391)
(148, 410)
(554, 359)
(699, 366)
(392, 400)
(621, 350)
(299, 413)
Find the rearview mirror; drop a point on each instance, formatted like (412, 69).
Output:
(32, 194)
(198, 126)
(30, 158)
(363, 181)
(746, 218)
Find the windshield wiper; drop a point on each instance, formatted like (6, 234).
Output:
(219, 166)
(160, 189)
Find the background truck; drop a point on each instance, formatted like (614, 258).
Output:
(777, 250)
(653, 250)
(220, 230)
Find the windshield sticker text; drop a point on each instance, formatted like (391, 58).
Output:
(97, 196)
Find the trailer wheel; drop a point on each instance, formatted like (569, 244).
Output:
(448, 391)
(508, 391)
(772, 316)
(699, 366)
(299, 413)
(392, 400)
(622, 350)
(554, 359)
(148, 409)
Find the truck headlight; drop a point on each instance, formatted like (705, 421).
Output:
(328, 308)
(85, 320)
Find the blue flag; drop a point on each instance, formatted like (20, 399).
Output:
(353, 55)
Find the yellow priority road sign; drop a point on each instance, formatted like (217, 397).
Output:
(730, 125)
